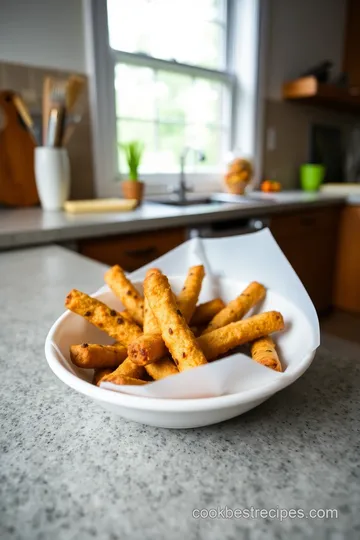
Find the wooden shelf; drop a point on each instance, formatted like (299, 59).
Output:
(309, 90)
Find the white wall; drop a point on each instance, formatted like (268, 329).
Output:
(303, 33)
(44, 33)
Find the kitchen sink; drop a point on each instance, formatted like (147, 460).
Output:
(175, 201)
(213, 198)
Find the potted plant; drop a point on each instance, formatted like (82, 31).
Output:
(133, 188)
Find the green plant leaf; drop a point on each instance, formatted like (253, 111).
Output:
(133, 151)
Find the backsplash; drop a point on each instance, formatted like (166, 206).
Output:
(292, 123)
(28, 81)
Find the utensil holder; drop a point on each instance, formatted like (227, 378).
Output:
(52, 172)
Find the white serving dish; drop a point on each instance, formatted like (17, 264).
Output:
(246, 383)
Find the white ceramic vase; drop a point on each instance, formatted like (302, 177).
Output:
(52, 173)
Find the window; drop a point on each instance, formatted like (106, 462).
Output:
(171, 85)
(174, 73)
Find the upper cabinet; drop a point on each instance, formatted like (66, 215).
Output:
(309, 90)
(351, 64)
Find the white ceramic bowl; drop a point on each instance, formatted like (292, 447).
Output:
(176, 413)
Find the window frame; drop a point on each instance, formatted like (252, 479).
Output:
(101, 61)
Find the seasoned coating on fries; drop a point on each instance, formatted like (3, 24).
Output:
(264, 352)
(150, 322)
(126, 292)
(102, 316)
(237, 308)
(123, 379)
(99, 375)
(188, 297)
(93, 356)
(127, 369)
(223, 339)
(146, 349)
(175, 332)
(162, 368)
(150, 345)
(206, 311)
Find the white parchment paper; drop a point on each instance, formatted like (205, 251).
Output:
(230, 264)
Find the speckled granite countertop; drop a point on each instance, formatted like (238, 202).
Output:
(32, 226)
(70, 471)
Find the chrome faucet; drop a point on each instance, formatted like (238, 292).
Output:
(182, 188)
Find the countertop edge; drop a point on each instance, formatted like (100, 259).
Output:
(82, 231)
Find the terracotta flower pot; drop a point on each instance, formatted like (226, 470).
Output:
(133, 189)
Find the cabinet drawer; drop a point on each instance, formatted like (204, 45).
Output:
(305, 222)
(132, 251)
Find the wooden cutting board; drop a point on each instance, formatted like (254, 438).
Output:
(100, 205)
(17, 177)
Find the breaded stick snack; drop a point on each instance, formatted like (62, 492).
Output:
(237, 308)
(93, 356)
(162, 368)
(188, 297)
(126, 369)
(103, 317)
(123, 379)
(150, 347)
(223, 339)
(175, 332)
(146, 349)
(122, 287)
(99, 375)
(206, 311)
(150, 322)
(263, 351)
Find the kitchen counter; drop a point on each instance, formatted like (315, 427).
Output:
(70, 470)
(26, 227)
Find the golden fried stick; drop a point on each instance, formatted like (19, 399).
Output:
(93, 356)
(150, 322)
(150, 344)
(123, 379)
(162, 368)
(126, 369)
(206, 311)
(237, 308)
(122, 287)
(165, 366)
(263, 351)
(146, 349)
(102, 316)
(175, 332)
(221, 340)
(99, 375)
(150, 347)
(188, 297)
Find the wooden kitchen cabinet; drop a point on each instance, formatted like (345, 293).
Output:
(347, 281)
(351, 64)
(131, 251)
(308, 240)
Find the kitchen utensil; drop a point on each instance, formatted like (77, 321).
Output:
(57, 114)
(25, 115)
(52, 170)
(100, 205)
(311, 176)
(17, 178)
(74, 90)
(46, 106)
(74, 105)
(70, 126)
